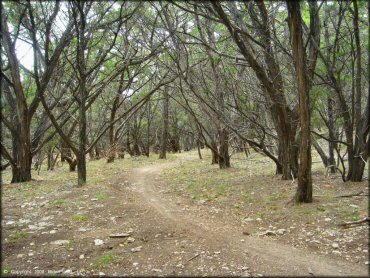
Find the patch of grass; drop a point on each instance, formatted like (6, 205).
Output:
(79, 217)
(101, 195)
(17, 236)
(276, 197)
(247, 197)
(104, 260)
(321, 208)
(303, 209)
(6, 270)
(58, 202)
(349, 214)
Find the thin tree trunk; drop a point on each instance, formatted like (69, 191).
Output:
(163, 150)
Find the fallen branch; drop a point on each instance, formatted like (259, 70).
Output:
(192, 258)
(355, 223)
(352, 195)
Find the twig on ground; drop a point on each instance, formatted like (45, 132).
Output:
(355, 223)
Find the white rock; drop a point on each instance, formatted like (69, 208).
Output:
(267, 233)
(135, 264)
(259, 219)
(98, 242)
(24, 221)
(60, 242)
(367, 262)
(94, 199)
(52, 231)
(136, 249)
(19, 256)
(82, 256)
(281, 231)
(327, 219)
(130, 239)
(68, 271)
(335, 245)
(33, 227)
(31, 254)
(11, 222)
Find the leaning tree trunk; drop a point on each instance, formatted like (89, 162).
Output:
(163, 150)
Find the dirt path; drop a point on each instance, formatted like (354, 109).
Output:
(260, 255)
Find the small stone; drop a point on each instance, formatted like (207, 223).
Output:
(130, 239)
(94, 199)
(337, 252)
(367, 262)
(98, 242)
(68, 271)
(335, 245)
(32, 243)
(259, 219)
(31, 254)
(267, 233)
(32, 227)
(60, 242)
(82, 256)
(242, 240)
(135, 264)
(281, 231)
(52, 231)
(327, 219)
(10, 222)
(136, 249)
(19, 256)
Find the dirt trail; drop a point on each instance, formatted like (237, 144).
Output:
(260, 254)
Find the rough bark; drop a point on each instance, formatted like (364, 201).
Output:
(304, 190)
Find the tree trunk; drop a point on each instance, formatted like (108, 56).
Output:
(224, 157)
(81, 67)
(215, 156)
(304, 190)
(288, 156)
(22, 154)
(198, 147)
(163, 150)
(331, 159)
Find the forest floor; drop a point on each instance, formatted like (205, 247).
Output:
(181, 216)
